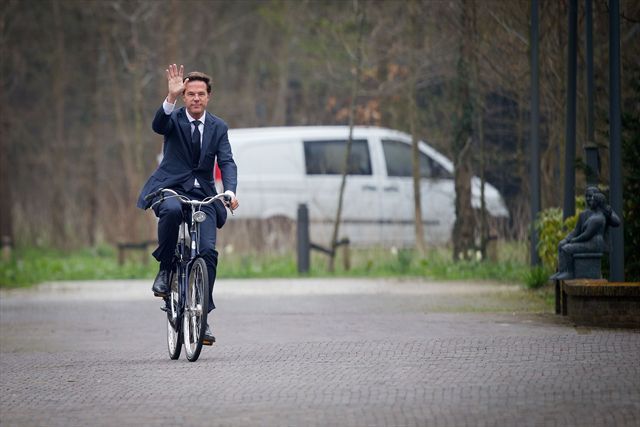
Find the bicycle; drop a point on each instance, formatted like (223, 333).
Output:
(187, 304)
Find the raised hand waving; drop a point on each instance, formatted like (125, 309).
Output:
(175, 82)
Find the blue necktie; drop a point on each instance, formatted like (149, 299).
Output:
(195, 140)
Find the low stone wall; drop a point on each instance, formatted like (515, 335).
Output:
(601, 303)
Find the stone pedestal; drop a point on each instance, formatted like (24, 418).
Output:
(587, 265)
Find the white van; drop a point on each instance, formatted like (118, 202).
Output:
(282, 167)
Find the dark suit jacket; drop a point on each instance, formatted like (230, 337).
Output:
(176, 169)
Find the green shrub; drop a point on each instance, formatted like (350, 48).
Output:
(405, 257)
(536, 277)
(551, 229)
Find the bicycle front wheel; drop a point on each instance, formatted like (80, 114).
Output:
(195, 309)
(174, 338)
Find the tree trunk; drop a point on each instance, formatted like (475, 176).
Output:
(279, 111)
(484, 215)
(478, 103)
(6, 206)
(137, 143)
(58, 161)
(463, 229)
(417, 198)
(414, 50)
(360, 18)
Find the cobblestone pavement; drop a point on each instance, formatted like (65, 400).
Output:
(310, 353)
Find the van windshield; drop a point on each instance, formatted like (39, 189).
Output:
(326, 157)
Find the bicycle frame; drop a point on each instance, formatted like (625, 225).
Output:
(183, 262)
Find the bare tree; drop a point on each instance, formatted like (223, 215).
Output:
(59, 77)
(6, 196)
(463, 229)
(357, 63)
(416, 40)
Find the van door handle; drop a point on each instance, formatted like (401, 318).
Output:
(392, 188)
(369, 187)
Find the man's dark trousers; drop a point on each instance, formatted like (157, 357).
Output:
(170, 214)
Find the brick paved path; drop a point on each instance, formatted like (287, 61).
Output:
(310, 353)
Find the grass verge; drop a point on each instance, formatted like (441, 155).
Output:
(28, 266)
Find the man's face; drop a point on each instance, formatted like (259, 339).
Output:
(195, 98)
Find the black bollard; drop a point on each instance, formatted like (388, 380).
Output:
(304, 247)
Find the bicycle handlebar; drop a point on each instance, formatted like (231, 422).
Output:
(185, 200)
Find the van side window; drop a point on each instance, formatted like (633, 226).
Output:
(398, 157)
(327, 157)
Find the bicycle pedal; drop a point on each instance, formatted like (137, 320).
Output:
(165, 309)
(207, 342)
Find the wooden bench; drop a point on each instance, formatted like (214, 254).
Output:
(596, 302)
(123, 247)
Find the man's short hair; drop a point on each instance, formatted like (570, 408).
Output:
(198, 76)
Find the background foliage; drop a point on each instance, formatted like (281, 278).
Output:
(80, 80)
(631, 190)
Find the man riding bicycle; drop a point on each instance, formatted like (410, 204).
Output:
(193, 140)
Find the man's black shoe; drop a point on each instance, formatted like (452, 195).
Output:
(161, 284)
(208, 338)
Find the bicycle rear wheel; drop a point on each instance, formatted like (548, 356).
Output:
(195, 309)
(174, 337)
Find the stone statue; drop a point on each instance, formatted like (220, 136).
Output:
(589, 236)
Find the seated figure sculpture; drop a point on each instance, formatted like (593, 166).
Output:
(590, 234)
